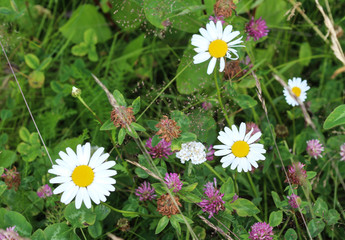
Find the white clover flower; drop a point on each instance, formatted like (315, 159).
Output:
(82, 177)
(299, 88)
(194, 151)
(216, 43)
(239, 149)
(76, 92)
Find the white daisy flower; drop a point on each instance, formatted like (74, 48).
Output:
(299, 88)
(216, 43)
(83, 176)
(194, 151)
(239, 149)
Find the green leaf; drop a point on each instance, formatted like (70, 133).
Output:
(127, 18)
(163, 222)
(5, 10)
(311, 174)
(101, 212)
(192, 77)
(204, 126)
(86, 17)
(119, 98)
(244, 207)
(336, 118)
(305, 52)
(58, 231)
(80, 50)
(95, 230)
(190, 197)
(200, 232)
(32, 61)
(320, 207)
(272, 11)
(277, 200)
(36, 79)
(45, 63)
(133, 49)
(136, 105)
(3, 187)
(121, 136)
(90, 37)
(155, 140)
(316, 226)
(38, 235)
(24, 134)
(81, 218)
(6, 114)
(138, 127)
(332, 217)
(151, 124)
(228, 187)
(190, 187)
(23, 227)
(93, 56)
(175, 223)
(276, 217)
(290, 234)
(131, 132)
(188, 137)
(7, 158)
(180, 219)
(245, 101)
(247, 82)
(108, 125)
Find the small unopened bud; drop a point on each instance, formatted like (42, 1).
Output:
(76, 92)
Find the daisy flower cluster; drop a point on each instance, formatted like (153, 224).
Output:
(194, 151)
(82, 176)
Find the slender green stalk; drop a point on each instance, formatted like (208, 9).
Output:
(252, 185)
(285, 224)
(214, 171)
(220, 99)
(83, 233)
(297, 226)
(257, 218)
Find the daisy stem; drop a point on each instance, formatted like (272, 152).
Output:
(215, 173)
(252, 184)
(83, 233)
(220, 99)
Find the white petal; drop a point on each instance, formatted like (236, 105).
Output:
(68, 195)
(58, 170)
(219, 28)
(205, 34)
(97, 158)
(242, 131)
(200, 50)
(60, 179)
(199, 41)
(86, 198)
(63, 164)
(222, 152)
(222, 64)
(79, 198)
(255, 137)
(72, 155)
(93, 194)
(201, 57)
(86, 153)
(229, 36)
(68, 160)
(211, 29)
(221, 147)
(228, 132)
(228, 55)
(105, 173)
(226, 33)
(211, 65)
(63, 187)
(106, 180)
(240, 166)
(235, 163)
(225, 140)
(104, 166)
(237, 41)
(246, 138)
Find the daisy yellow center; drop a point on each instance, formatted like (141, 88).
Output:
(296, 91)
(83, 176)
(218, 48)
(240, 149)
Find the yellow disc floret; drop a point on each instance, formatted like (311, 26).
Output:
(296, 91)
(83, 176)
(240, 149)
(218, 48)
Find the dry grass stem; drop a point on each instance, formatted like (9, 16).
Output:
(218, 229)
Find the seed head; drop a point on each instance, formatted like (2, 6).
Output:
(122, 116)
(166, 206)
(168, 129)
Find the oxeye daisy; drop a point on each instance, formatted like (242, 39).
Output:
(299, 88)
(83, 176)
(216, 44)
(239, 149)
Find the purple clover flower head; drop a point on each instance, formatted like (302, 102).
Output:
(234, 198)
(342, 152)
(294, 200)
(162, 149)
(214, 202)
(145, 192)
(44, 191)
(314, 148)
(216, 19)
(206, 105)
(261, 231)
(9, 234)
(210, 153)
(256, 29)
(172, 180)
